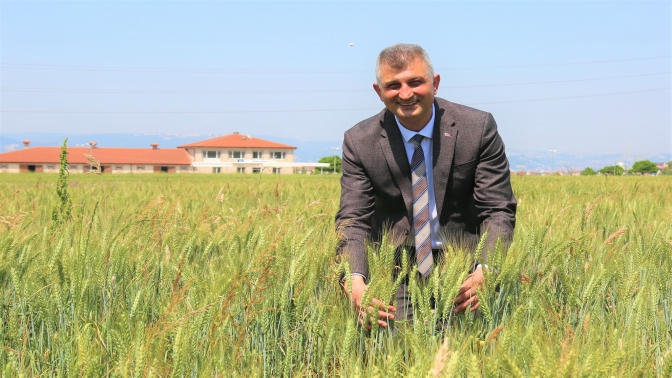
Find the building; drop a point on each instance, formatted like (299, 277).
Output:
(661, 167)
(227, 154)
(237, 153)
(111, 160)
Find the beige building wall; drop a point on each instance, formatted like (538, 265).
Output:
(9, 168)
(77, 168)
(225, 154)
(246, 156)
(247, 168)
(85, 168)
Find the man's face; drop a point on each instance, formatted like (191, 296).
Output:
(408, 93)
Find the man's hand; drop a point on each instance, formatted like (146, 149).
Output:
(467, 297)
(376, 309)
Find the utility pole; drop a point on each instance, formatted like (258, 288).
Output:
(335, 149)
(552, 161)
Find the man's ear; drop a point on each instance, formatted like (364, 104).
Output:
(377, 89)
(437, 80)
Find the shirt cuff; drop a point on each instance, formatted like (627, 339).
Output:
(358, 274)
(485, 266)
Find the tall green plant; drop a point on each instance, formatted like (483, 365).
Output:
(62, 209)
(207, 275)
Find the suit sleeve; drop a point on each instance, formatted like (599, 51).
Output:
(353, 220)
(493, 195)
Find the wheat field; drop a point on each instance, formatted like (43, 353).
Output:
(235, 275)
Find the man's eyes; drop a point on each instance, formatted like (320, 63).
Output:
(413, 84)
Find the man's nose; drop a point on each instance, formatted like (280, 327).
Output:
(405, 92)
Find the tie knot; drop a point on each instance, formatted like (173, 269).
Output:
(417, 139)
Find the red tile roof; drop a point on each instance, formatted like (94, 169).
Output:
(236, 141)
(168, 156)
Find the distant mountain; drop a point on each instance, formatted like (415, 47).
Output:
(543, 162)
(9, 144)
(312, 151)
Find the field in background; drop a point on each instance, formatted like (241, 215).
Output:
(226, 275)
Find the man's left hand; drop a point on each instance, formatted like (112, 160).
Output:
(467, 297)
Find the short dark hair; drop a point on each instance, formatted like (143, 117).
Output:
(399, 56)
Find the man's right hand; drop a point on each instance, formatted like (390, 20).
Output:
(375, 309)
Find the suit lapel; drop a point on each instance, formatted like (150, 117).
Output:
(392, 144)
(443, 150)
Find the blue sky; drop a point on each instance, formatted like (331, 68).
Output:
(578, 77)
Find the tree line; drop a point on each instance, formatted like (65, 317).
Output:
(640, 167)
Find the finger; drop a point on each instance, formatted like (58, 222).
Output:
(381, 323)
(382, 306)
(464, 304)
(467, 285)
(470, 302)
(381, 314)
(385, 315)
(476, 306)
(464, 296)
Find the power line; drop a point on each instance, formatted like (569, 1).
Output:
(213, 70)
(25, 34)
(568, 97)
(561, 64)
(187, 91)
(310, 110)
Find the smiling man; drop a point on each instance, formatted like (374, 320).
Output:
(427, 171)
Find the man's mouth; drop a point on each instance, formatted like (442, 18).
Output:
(408, 103)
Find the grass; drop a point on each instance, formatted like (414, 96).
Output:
(227, 275)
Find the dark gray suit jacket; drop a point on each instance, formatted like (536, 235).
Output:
(471, 183)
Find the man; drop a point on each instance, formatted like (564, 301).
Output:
(427, 171)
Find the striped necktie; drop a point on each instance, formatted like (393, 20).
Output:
(422, 237)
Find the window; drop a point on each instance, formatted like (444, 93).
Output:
(50, 167)
(277, 155)
(256, 170)
(216, 170)
(237, 154)
(72, 168)
(140, 168)
(276, 170)
(183, 169)
(257, 155)
(211, 154)
(241, 170)
(118, 168)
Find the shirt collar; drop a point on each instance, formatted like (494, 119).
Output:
(426, 131)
